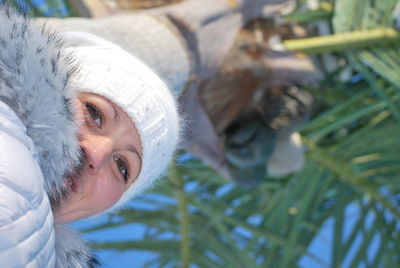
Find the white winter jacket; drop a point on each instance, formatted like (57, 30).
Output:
(37, 146)
(26, 221)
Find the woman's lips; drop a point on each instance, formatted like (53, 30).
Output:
(72, 184)
(75, 184)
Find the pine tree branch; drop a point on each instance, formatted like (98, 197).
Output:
(344, 41)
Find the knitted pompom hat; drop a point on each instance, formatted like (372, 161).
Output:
(107, 70)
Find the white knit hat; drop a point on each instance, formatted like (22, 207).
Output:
(107, 70)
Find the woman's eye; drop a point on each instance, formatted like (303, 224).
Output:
(95, 114)
(123, 167)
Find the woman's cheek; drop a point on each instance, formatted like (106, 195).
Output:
(108, 195)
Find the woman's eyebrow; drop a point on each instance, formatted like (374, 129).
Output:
(133, 150)
(116, 114)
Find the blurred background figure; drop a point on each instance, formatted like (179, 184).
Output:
(243, 106)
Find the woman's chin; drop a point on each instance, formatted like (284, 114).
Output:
(66, 213)
(60, 216)
(68, 210)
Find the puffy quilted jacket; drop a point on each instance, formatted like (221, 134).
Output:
(26, 220)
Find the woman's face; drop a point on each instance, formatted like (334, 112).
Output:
(112, 150)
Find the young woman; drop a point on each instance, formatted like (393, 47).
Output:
(84, 127)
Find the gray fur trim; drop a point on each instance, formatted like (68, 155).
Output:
(34, 82)
(71, 252)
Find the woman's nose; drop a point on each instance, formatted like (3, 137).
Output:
(97, 151)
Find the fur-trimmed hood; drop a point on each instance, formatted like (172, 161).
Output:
(35, 82)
